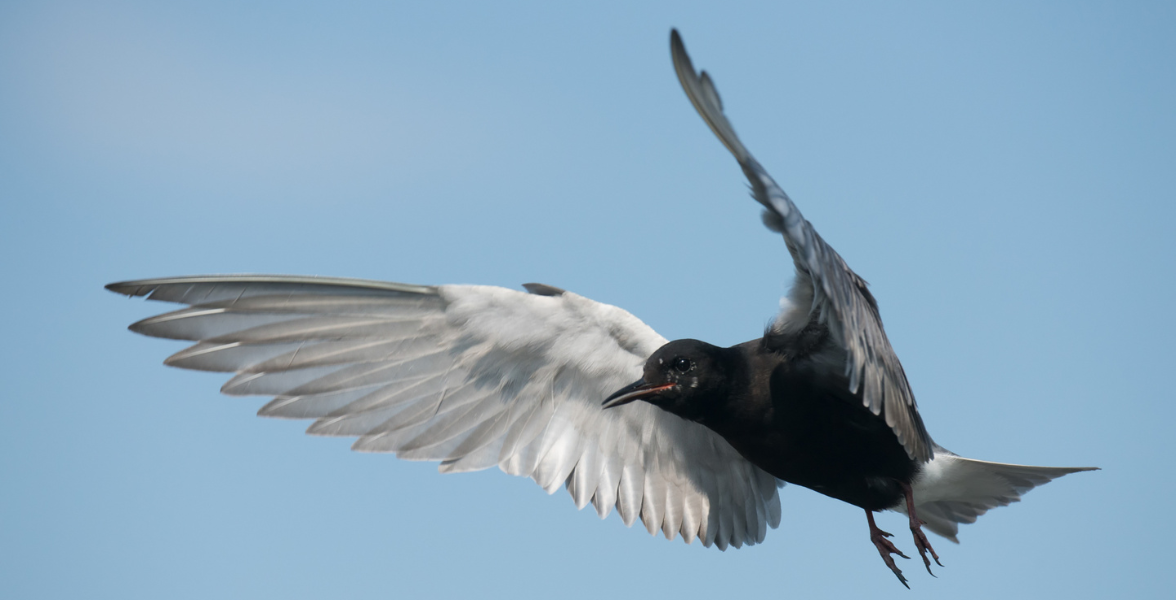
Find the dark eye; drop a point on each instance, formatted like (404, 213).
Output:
(682, 365)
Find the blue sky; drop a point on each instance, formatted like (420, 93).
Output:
(1002, 174)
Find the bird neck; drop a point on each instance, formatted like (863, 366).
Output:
(733, 405)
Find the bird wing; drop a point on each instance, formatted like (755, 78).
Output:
(826, 289)
(474, 377)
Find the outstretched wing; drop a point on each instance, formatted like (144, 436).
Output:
(826, 289)
(474, 377)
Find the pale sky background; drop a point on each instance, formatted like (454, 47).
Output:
(1001, 172)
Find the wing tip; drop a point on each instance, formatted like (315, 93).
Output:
(143, 287)
(129, 289)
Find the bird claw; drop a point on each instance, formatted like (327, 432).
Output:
(923, 545)
(886, 548)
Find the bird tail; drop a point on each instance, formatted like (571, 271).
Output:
(952, 489)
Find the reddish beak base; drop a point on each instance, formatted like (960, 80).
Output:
(636, 391)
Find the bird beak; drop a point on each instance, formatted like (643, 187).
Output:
(634, 391)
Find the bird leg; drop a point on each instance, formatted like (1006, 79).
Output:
(921, 542)
(885, 548)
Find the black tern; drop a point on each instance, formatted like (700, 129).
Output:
(542, 384)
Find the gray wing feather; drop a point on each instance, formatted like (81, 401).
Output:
(473, 377)
(826, 288)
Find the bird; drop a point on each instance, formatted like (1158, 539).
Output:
(693, 439)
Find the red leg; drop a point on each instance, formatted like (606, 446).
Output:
(921, 542)
(885, 548)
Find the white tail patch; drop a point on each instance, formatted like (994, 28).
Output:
(952, 489)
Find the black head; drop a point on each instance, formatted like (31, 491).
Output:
(685, 377)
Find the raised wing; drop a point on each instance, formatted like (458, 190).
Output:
(826, 289)
(474, 377)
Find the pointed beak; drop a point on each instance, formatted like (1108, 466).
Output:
(634, 391)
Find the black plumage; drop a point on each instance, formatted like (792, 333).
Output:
(777, 402)
(786, 413)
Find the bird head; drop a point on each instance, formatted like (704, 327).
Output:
(684, 377)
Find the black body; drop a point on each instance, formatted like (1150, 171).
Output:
(782, 402)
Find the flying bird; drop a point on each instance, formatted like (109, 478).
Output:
(693, 439)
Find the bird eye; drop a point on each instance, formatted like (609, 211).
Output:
(682, 365)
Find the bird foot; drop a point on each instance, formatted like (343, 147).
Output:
(886, 548)
(923, 545)
(921, 542)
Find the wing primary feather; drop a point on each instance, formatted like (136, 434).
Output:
(839, 295)
(448, 373)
